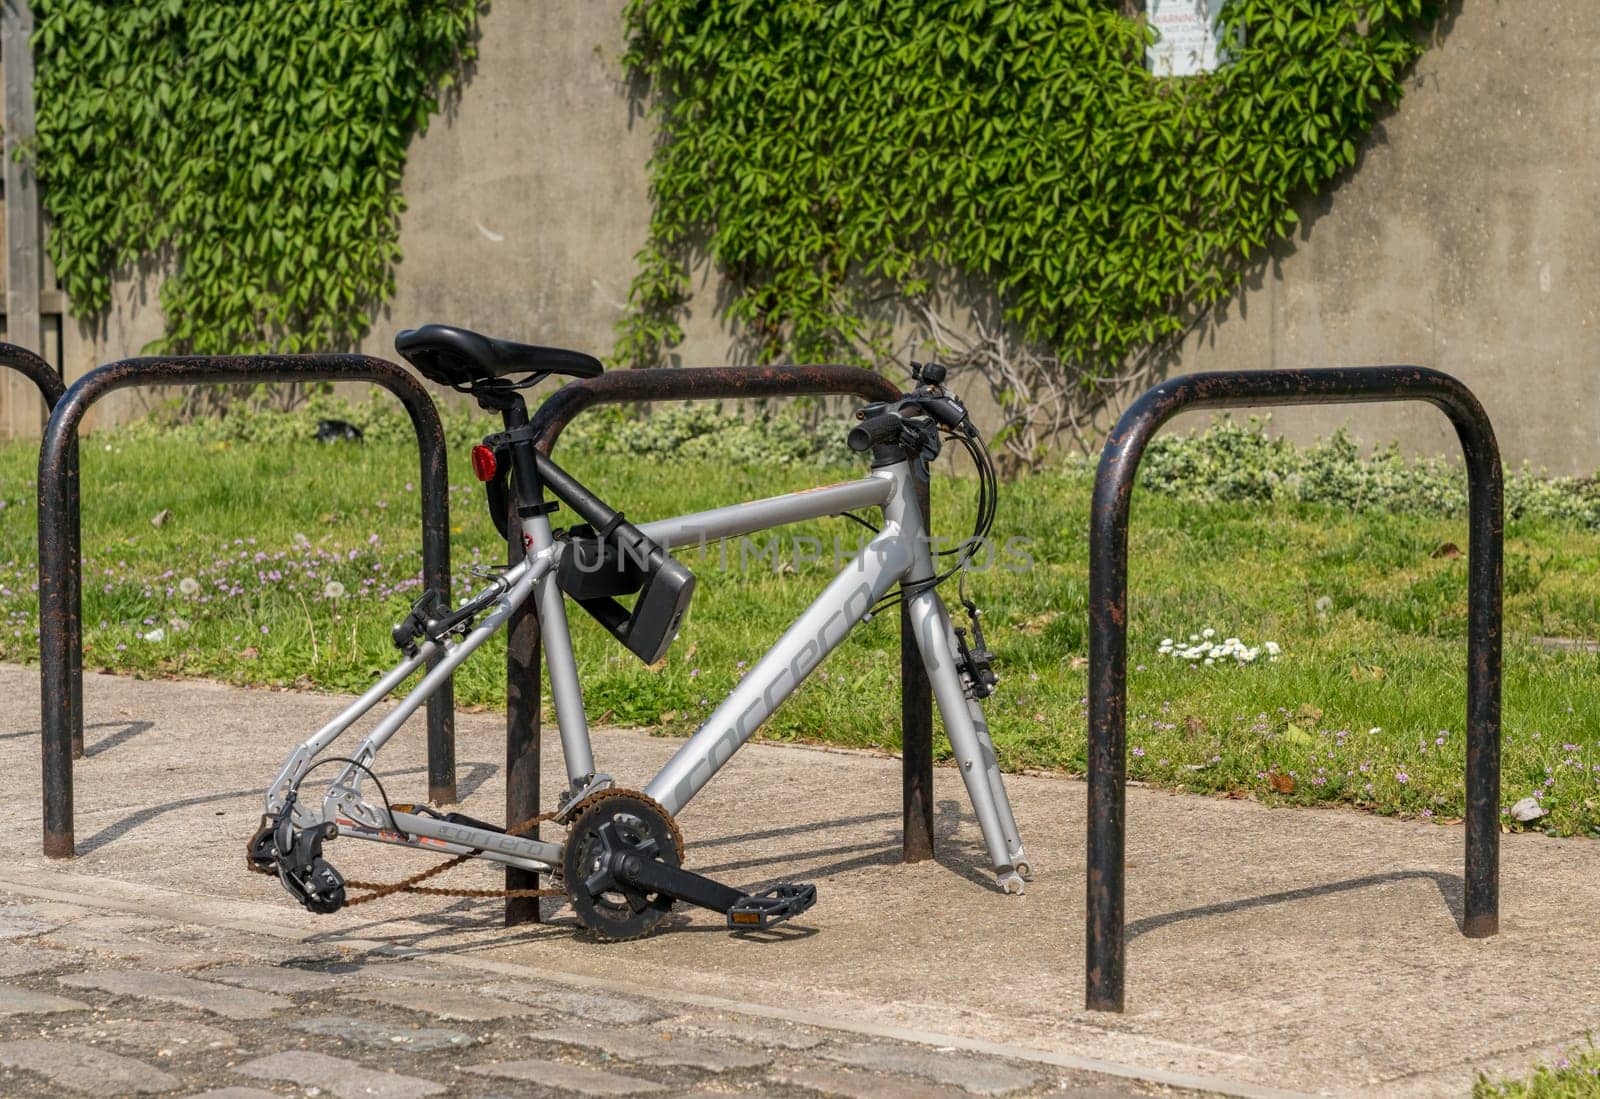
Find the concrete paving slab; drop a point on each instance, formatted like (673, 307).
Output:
(654, 1047)
(280, 979)
(168, 988)
(751, 1034)
(403, 972)
(82, 1068)
(447, 1004)
(346, 1079)
(1269, 950)
(24, 1001)
(861, 1085)
(595, 1007)
(946, 1067)
(150, 1036)
(18, 961)
(385, 1035)
(19, 922)
(559, 1074)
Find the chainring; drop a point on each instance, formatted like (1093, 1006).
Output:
(611, 912)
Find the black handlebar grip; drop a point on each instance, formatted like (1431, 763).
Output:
(872, 431)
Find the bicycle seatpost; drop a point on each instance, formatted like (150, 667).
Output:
(508, 401)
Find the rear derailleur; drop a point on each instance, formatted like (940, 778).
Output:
(295, 855)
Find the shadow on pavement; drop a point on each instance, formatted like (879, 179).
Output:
(968, 860)
(1449, 886)
(128, 730)
(477, 774)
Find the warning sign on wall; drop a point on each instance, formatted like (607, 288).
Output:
(1188, 41)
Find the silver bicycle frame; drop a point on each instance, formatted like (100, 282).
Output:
(899, 553)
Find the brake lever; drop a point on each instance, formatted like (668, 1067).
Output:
(945, 409)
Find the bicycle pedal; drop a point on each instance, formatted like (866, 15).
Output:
(759, 911)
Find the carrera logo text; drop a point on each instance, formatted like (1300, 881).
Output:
(785, 675)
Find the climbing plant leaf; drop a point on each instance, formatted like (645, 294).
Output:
(826, 155)
(253, 149)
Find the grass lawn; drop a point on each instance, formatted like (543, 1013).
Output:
(1575, 1076)
(1364, 707)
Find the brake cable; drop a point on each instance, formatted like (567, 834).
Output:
(988, 506)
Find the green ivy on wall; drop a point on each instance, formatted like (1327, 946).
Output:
(252, 149)
(827, 155)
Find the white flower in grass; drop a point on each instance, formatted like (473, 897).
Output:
(333, 590)
(157, 634)
(189, 586)
(1205, 648)
(1324, 604)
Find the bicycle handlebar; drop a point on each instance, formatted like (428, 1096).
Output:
(873, 431)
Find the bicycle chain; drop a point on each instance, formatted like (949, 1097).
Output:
(379, 890)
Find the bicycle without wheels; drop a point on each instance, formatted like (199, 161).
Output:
(621, 863)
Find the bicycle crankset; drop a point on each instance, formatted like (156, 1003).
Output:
(623, 870)
(612, 826)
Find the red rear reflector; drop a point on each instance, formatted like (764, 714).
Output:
(483, 466)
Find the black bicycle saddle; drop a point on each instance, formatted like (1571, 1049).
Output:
(459, 358)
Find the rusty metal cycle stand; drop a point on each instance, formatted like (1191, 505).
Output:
(51, 387)
(36, 370)
(61, 552)
(522, 632)
(1106, 948)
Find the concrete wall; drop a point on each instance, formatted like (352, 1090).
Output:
(1466, 240)
(527, 198)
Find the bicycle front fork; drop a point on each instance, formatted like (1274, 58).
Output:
(968, 732)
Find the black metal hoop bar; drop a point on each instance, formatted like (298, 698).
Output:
(36, 370)
(522, 660)
(60, 549)
(1108, 623)
(51, 387)
(704, 383)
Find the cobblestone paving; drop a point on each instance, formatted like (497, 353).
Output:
(103, 1004)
